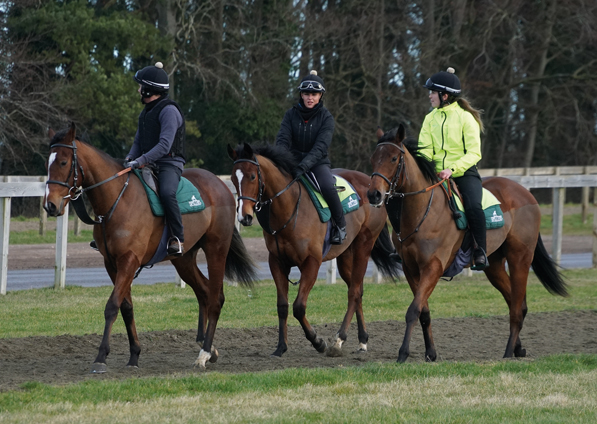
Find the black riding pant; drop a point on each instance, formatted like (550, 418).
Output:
(472, 191)
(169, 177)
(326, 180)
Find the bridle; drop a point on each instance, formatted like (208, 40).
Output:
(393, 187)
(76, 190)
(393, 183)
(260, 203)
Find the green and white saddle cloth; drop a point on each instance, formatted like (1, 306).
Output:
(349, 198)
(494, 218)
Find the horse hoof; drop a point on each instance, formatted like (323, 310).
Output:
(132, 367)
(99, 368)
(320, 345)
(333, 351)
(520, 353)
(430, 358)
(202, 359)
(214, 355)
(362, 348)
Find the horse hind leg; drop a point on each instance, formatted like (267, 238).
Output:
(210, 300)
(352, 269)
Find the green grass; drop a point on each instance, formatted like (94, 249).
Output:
(555, 389)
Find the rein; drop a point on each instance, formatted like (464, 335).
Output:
(393, 188)
(259, 203)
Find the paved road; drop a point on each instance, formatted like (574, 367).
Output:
(95, 277)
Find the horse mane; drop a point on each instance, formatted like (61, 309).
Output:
(426, 166)
(281, 157)
(59, 137)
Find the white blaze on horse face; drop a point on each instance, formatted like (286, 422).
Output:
(239, 177)
(51, 160)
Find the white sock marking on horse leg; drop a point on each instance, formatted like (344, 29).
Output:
(363, 347)
(239, 177)
(202, 358)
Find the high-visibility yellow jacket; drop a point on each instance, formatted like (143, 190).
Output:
(451, 137)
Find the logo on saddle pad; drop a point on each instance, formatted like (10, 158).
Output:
(352, 202)
(194, 202)
(496, 218)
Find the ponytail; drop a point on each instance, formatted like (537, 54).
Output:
(464, 103)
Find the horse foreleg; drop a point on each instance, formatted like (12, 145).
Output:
(280, 273)
(519, 273)
(421, 289)
(425, 320)
(499, 278)
(122, 279)
(309, 269)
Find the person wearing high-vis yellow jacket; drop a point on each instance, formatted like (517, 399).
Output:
(451, 138)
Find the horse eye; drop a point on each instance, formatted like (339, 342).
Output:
(252, 177)
(395, 158)
(63, 163)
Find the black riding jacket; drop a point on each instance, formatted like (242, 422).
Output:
(310, 140)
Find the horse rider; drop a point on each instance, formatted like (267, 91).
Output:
(159, 141)
(451, 138)
(306, 130)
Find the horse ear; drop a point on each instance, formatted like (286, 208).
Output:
(379, 133)
(51, 133)
(400, 134)
(231, 153)
(72, 133)
(248, 150)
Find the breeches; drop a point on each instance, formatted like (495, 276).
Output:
(472, 192)
(326, 180)
(169, 177)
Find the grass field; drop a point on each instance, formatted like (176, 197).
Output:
(554, 389)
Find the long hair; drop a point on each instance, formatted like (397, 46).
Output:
(466, 105)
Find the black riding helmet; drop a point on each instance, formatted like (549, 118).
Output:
(311, 84)
(444, 82)
(153, 80)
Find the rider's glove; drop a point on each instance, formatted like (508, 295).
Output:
(133, 164)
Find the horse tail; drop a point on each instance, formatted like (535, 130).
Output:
(381, 255)
(240, 267)
(546, 271)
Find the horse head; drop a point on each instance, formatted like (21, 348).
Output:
(64, 174)
(246, 177)
(386, 163)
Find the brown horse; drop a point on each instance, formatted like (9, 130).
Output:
(428, 239)
(128, 235)
(294, 236)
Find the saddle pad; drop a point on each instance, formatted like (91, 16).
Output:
(349, 198)
(494, 218)
(189, 199)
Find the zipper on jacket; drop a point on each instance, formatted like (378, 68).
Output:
(463, 144)
(445, 152)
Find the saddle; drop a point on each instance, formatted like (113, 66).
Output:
(349, 198)
(187, 195)
(494, 217)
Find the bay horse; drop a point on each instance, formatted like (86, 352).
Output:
(428, 239)
(128, 234)
(294, 236)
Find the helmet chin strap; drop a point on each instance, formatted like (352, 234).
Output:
(443, 102)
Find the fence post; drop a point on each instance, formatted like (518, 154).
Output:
(61, 242)
(43, 216)
(557, 217)
(5, 224)
(331, 275)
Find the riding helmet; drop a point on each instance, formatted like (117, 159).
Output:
(312, 84)
(153, 80)
(444, 82)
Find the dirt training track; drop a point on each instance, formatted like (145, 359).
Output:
(67, 359)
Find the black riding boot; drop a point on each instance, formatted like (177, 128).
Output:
(477, 226)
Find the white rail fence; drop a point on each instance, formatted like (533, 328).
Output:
(556, 178)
